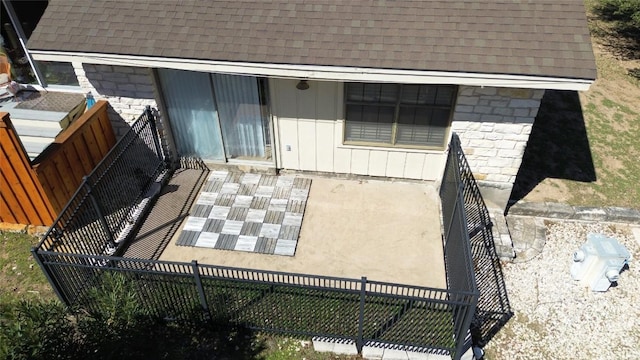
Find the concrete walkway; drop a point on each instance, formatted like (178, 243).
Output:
(386, 231)
(524, 226)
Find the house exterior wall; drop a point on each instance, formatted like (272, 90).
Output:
(494, 125)
(128, 89)
(309, 132)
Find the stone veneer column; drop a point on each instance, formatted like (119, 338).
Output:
(494, 125)
(128, 89)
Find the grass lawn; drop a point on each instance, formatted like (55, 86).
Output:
(22, 279)
(20, 275)
(611, 112)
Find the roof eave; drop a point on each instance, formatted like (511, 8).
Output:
(320, 72)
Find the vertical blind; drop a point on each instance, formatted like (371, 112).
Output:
(214, 116)
(238, 103)
(188, 99)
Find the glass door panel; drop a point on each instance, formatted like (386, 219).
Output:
(189, 101)
(241, 116)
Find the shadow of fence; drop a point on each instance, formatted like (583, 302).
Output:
(493, 309)
(169, 210)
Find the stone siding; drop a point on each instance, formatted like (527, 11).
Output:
(494, 125)
(128, 89)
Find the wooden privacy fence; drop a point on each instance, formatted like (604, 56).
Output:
(22, 198)
(35, 192)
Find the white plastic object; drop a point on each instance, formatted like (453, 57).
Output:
(599, 261)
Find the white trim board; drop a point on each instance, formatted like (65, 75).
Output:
(319, 72)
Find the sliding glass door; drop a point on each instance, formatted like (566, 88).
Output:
(188, 98)
(216, 116)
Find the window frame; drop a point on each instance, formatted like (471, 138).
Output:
(396, 113)
(36, 69)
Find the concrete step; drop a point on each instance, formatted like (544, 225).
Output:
(36, 128)
(528, 234)
(34, 145)
(41, 115)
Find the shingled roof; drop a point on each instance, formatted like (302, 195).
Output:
(547, 38)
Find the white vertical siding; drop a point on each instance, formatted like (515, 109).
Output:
(413, 166)
(311, 123)
(378, 160)
(325, 146)
(395, 165)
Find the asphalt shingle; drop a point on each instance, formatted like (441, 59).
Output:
(519, 37)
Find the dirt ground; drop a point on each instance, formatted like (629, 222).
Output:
(386, 231)
(583, 149)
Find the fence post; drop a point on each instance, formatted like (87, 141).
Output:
(103, 221)
(461, 332)
(203, 298)
(363, 293)
(47, 274)
(154, 130)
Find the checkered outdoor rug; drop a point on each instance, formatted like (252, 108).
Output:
(248, 212)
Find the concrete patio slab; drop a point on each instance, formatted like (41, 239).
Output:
(387, 231)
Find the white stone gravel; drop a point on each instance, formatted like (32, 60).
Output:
(559, 318)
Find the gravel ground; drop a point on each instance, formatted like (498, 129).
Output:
(556, 317)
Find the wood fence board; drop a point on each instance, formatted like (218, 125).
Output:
(53, 187)
(13, 211)
(17, 182)
(63, 168)
(71, 155)
(96, 129)
(34, 192)
(86, 161)
(92, 146)
(107, 129)
(5, 210)
(20, 176)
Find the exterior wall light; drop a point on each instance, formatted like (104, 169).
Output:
(302, 85)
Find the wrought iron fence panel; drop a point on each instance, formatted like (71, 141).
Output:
(493, 308)
(110, 196)
(312, 305)
(276, 277)
(72, 274)
(71, 255)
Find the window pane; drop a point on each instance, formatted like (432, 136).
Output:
(238, 101)
(369, 123)
(373, 93)
(422, 126)
(58, 73)
(445, 95)
(419, 94)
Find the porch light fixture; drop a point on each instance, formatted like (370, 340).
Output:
(302, 85)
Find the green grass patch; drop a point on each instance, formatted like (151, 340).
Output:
(20, 275)
(612, 130)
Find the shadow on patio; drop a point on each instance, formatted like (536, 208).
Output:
(388, 231)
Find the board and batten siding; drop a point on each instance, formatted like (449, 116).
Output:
(308, 128)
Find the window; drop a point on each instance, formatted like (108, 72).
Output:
(58, 73)
(19, 19)
(413, 116)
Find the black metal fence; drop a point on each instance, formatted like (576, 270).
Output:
(493, 309)
(358, 310)
(103, 210)
(72, 255)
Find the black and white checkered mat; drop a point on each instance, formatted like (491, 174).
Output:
(248, 212)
